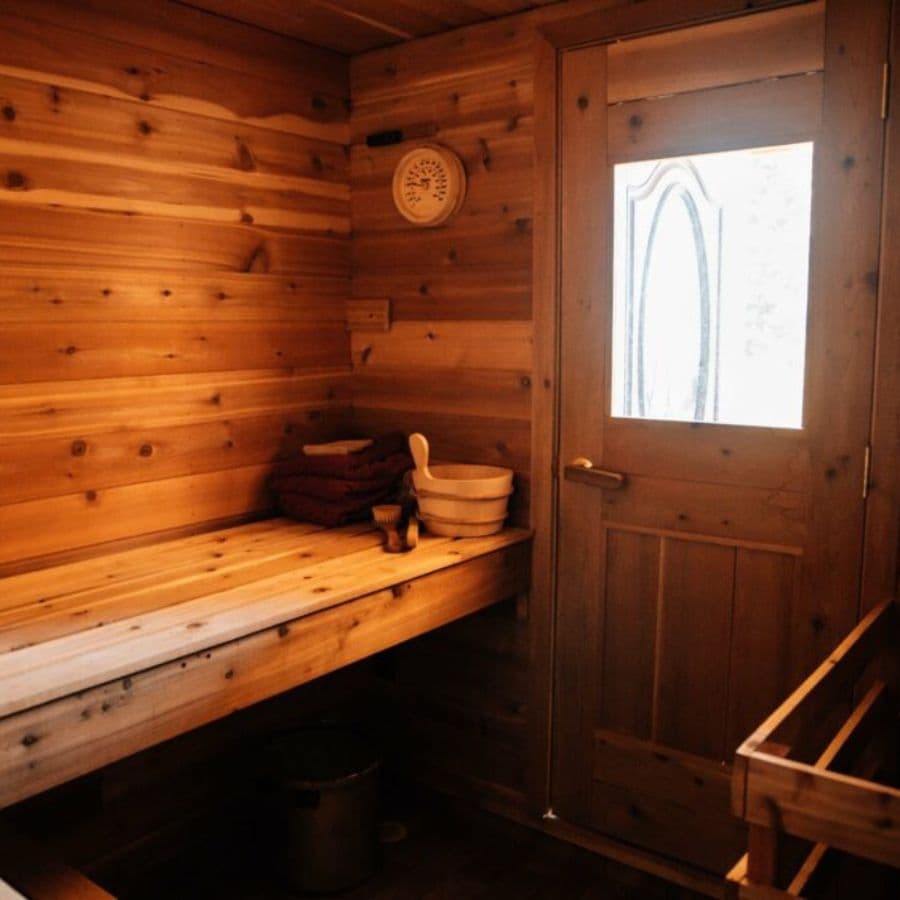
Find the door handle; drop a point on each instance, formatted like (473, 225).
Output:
(582, 470)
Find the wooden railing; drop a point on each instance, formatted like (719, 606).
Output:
(805, 780)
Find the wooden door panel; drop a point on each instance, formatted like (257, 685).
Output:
(697, 584)
(685, 623)
(766, 516)
(749, 48)
(668, 774)
(763, 628)
(673, 829)
(779, 111)
(657, 797)
(627, 657)
(708, 453)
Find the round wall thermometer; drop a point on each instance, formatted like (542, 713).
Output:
(429, 185)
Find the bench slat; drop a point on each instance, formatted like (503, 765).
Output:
(218, 567)
(74, 662)
(46, 745)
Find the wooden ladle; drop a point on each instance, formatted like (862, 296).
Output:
(418, 446)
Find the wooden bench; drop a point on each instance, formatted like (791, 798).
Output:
(104, 657)
(809, 781)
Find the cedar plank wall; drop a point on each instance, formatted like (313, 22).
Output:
(174, 244)
(457, 361)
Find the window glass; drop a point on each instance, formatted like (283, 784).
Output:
(710, 277)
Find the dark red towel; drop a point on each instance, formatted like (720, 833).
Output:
(362, 466)
(368, 478)
(332, 512)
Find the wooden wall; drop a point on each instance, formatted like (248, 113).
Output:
(174, 243)
(457, 363)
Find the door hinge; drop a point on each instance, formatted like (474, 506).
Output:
(885, 90)
(867, 468)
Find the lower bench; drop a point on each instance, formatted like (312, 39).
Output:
(102, 658)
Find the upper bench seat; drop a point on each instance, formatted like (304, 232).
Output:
(103, 657)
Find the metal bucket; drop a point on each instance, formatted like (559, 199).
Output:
(326, 780)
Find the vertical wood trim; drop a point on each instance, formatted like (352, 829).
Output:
(583, 236)
(843, 275)
(657, 642)
(545, 424)
(882, 533)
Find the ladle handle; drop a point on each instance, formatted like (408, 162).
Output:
(418, 446)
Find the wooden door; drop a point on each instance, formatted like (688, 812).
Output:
(693, 595)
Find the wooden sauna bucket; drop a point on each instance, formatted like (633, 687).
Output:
(459, 500)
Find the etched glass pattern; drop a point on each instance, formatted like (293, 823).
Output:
(710, 278)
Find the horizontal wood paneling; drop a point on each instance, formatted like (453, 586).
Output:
(45, 236)
(457, 362)
(59, 409)
(71, 51)
(174, 232)
(51, 296)
(55, 116)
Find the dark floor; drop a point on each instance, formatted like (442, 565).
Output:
(447, 855)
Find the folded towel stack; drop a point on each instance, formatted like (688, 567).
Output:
(333, 489)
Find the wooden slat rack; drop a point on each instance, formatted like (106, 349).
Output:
(817, 778)
(104, 657)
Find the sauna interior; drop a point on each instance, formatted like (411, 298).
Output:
(292, 291)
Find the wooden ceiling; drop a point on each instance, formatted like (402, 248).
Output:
(354, 26)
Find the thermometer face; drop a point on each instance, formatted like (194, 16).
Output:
(429, 185)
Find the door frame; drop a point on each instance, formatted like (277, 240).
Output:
(879, 553)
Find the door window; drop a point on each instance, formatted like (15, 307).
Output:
(710, 273)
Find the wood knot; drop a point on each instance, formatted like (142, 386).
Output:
(583, 102)
(146, 450)
(9, 113)
(319, 103)
(90, 495)
(245, 158)
(16, 181)
(144, 127)
(78, 448)
(635, 121)
(30, 740)
(525, 381)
